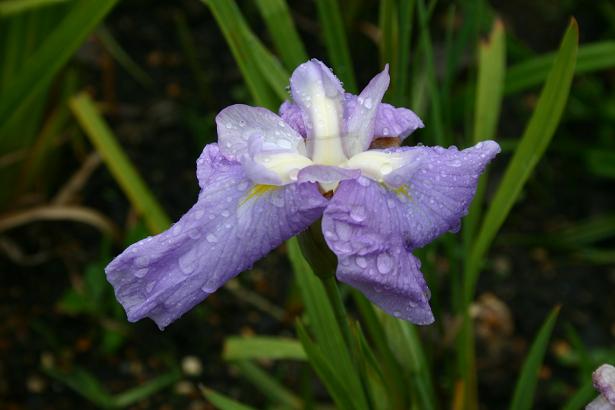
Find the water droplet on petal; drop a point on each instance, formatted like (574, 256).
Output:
(277, 199)
(386, 168)
(361, 262)
(149, 287)
(293, 174)
(243, 186)
(211, 238)
(225, 213)
(188, 262)
(198, 214)
(194, 233)
(384, 263)
(385, 131)
(229, 125)
(390, 203)
(396, 313)
(368, 103)
(139, 273)
(456, 163)
(358, 213)
(284, 144)
(208, 289)
(343, 231)
(363, 181)
(242, 123)
(142, 261)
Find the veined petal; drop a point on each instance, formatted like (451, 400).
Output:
(358, 226)
(239, 124)
(319, 95)
(361, 120)
(390, 121)
(233, 224)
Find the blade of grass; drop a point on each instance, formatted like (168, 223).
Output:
(231, 22)
(402, 69)
(333, 29)
(283, 32)
(123, 58)
(528, 379)
(223, 402)
(584, 395)
(389, 34)
(434, 94)
(534, 142)
(10, 7)
(324, 324)
(260, 347)
(591, 57)
(51, 56)
(120, 166)
(269, 386)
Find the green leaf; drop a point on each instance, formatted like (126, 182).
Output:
(534, 142)
(402, 69)
(283, 32)
(260, 347)
(323, 323)
(491, 72)
(269, 386)
(231, 22)
(591, 57)
(9, 7)
(50, 57)
(223, 402)
(333, 29)
(120, 166)
(528, 379)
(389, 33)
(582, 397)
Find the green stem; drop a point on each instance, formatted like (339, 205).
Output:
(333, 293)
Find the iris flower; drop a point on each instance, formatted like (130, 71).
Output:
(270, 177)
(604, 381)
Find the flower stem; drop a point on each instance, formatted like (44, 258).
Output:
(339, 310)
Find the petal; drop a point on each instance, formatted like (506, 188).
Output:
(433, 191)
(239, 124)
(390, 121)
(604, 381)
(361, 120)
(358, 226)
(319, 95)
(326, 174)
(233, 224)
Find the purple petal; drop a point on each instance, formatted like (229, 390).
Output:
(362, 118)
(239, 124)
(434, 191)
(390, 121)
(360, 228)
(232, 225)
(326, 174)
(319, 95)
(604, 381)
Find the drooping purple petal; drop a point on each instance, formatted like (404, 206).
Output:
(239, 124)
(362, 118)
(360, 228)
(373, 227)
(233, 224)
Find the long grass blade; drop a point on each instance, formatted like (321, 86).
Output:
(51, 56)
(269, 386)
(528, 379)
(261, 347)
(11, 7)
(223, 402)
(283, 32)
(120, 166)
(534, 142)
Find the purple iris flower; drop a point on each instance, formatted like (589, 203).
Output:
(270, 177)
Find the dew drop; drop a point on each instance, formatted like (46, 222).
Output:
(284, 144)
(194, 233)
(282, 124)
(363, 181)
(149, 287)
(277, 200)
(343, 231)
(229, 125)
(187, 263)
(198, 214)
(243, 186)
(385, 131)
(142, 261)
(391, 203)
(384, 263)
(242, 123)
(386, 169)
(211, 238)
(396, 313)
(293, 174)
(208, 289)
(361, 262)
(225, 213)
(358, 213)
(139, 273)
(456, 163)
(211, 216)
(368, 103)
